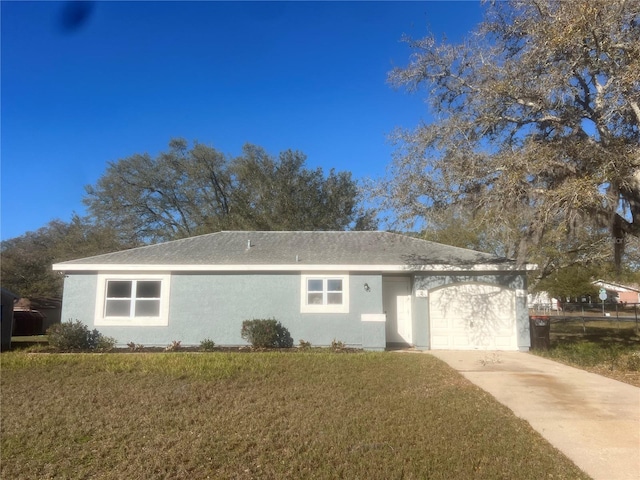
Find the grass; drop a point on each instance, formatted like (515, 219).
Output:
(259, 415)
(609, 348)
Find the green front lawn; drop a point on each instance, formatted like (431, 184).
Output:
(259, 415)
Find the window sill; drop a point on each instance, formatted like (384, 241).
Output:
(131, 322)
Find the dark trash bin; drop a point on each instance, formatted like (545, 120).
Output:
(540, 329)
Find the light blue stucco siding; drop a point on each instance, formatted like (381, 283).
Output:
(79, 298)
(516, 281)
(213, 306)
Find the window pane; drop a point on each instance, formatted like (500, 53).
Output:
(118, 289)
(314, 285)
(147, 308)
(118, 308)
(148, 289)
(334, 285)
(334, 298)
(314, 299)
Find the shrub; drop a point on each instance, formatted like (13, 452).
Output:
(266, 333)
(207, 345)
(73, 336)
(304, 345)
(174, 347)
(135, 347)
(337, 345)
(105, 344)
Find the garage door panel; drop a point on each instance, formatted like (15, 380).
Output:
(503, 342)
(460, 342)
(472, 316)
(440, 322)
(439, 342)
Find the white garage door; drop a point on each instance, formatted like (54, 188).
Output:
(472, 316)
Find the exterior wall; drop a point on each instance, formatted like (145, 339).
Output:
(79, 298)
(204, 305)
(214, 306)
(628, 297)
(420, 313)
(423, 283)
(373, 331)
(619, 293)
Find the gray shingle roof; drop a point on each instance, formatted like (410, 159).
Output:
(294, 248)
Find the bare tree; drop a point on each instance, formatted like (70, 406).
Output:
(537, 119)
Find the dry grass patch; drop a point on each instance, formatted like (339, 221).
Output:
(262, 415)
(608, 348)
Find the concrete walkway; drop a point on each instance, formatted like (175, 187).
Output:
(593, 420)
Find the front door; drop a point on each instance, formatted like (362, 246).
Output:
(396, 302)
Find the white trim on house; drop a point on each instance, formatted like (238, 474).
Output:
(89, 267)
(615, 287)
(102, 320)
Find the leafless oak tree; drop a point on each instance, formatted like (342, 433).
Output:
(537, 118)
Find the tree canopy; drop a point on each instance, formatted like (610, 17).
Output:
(180, 193)
(190, 191)
(281, 194)
(537, 126)
(27, 259)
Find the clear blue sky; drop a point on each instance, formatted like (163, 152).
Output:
(309, 76)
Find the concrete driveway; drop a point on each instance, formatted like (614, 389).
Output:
(593, 420)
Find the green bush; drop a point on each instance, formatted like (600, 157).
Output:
(105, 344)
(135, 347)
(266, 333)
(175, 346)
(73, 336)
(207, 345)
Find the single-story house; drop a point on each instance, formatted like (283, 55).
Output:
(541, 301)
(371, 290)
(620, 293)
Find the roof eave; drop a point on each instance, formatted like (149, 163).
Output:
(296, 267)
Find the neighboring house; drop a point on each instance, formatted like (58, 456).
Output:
(50, 307)
(31, 316)
(541, 301)
(367, 289)
(620, 293)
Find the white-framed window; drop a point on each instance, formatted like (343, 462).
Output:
(324, 293)
(130, 299)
